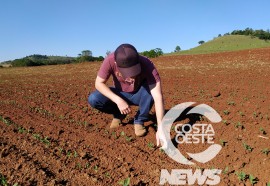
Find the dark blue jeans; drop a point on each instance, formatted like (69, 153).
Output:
(141, 98)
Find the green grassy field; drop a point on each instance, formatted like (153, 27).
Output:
(226, 43)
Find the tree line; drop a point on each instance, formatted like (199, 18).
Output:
(261, 34)
(39, 60)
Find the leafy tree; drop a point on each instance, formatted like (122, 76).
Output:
(153, 53)
(177, 49)
(261, 34)
(158, 51)
(86, 53)
(201, 42)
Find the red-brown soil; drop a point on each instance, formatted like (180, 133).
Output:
(49, 135)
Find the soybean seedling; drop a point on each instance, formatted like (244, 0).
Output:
(266, 151)
(225, 122)
(223, 143)
(114, 135)
(231, 103)
(122, 133)
(126, 137)
(252, 179)
(241, 176)
(75, 154)
(87, 165)
(45, 141)
(241, 113)
(239, 125)
(21, 130)
(125, 182)
(96, 168)
(150, 145)
(247, 147)
(3, 180)
(107, 174)
(79, 166)
(226, 112)
(68, 153)
(262, 131)
(226, 170)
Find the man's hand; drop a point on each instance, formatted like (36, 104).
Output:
(123, 106)
(161, 139)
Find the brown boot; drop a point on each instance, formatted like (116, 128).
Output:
(139, 130)
(115, 123)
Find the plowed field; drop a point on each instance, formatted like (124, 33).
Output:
(49, 135)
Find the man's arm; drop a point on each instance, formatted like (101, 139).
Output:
(156, 92)
(101, 86)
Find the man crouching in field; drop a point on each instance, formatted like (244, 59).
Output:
(136, 82)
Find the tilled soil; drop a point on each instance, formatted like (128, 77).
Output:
(49, 135)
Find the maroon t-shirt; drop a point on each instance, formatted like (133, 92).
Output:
(148, 73)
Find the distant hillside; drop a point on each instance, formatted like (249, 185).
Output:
(38, 60)
(227, 43)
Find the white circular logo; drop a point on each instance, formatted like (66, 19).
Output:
(167, 122)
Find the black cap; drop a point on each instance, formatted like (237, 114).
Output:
(127, 60)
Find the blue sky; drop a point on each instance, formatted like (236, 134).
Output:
(66, 27)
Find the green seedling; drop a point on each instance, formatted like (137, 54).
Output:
(37, 136)
(223, 143)
(262, 131)
(225, 122)
(45, 141)
(7, 121)
(150, 145)
(128, 138)
(61, 117)
(114, 135)
(241, 113)
(226, 170)
(68, 153)
(125, 182)
(247, 147)
(79, 166)
(21, 130)
(239, 125)
(161, 150)
(107, 174)
(87, 165)
(96, 168)
(75, 154)
(3, 180)
(268, 184)
(266, 151)
(241, 176)
(245, 98)
(231, 103)
(253, 179)
(226, 112)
